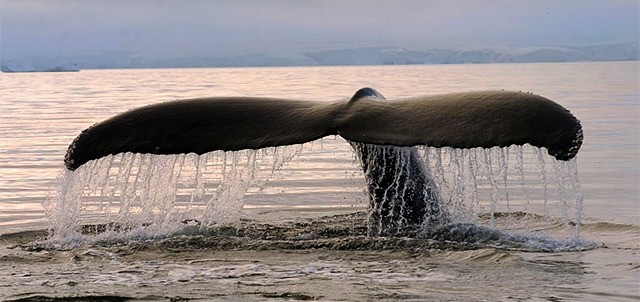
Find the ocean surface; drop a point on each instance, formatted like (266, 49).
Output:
(302, 235)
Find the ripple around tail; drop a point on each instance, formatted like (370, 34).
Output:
(337, 232)
(603, 226)
(46, 298)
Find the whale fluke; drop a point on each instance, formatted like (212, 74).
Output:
(465, 120)
(460, 120)
(204, 125)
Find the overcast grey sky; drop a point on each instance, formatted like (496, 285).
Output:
(182, 28)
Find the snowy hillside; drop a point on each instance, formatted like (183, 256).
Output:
(356, 56)
(394, 56)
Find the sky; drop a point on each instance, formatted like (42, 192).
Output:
(194, 28)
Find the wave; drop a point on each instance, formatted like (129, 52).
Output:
(46, 298)
(602, 226)
(335, 232)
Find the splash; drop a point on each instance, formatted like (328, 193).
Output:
(154, 196)
(160, 193)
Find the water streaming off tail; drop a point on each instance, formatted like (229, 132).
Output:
(508, 187)
(160, 194)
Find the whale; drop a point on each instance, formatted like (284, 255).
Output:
(383, 133)
(402, 193)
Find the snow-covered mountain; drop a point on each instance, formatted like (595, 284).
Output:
(38, 66)
(356, 56)
(395, 56)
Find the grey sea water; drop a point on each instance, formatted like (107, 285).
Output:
(309, 242)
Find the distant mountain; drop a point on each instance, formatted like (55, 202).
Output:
(251, 60)
(396, 56)
(35, 66)
(357, 56)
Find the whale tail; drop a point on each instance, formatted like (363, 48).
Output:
(483, 119)
(401, 189)
(460, 120)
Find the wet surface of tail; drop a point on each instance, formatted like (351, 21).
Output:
(402, 192)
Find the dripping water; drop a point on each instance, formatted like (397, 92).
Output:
(517, 188)
(508, 188)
